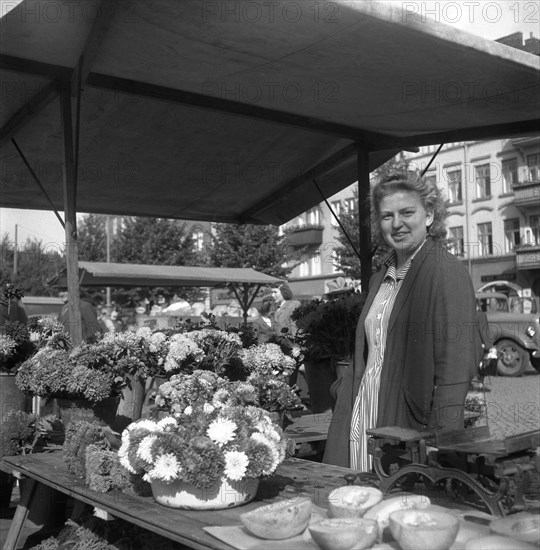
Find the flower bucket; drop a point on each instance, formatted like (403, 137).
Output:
(224, 494)
(103, 412)
(319, 377)
(11, 397)
(131, 403)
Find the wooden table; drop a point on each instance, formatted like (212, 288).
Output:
(293, 478)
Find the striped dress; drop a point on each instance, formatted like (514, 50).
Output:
(364, 416)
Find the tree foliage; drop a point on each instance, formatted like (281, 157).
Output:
(257, 246)
(92, 238)
(36, 265)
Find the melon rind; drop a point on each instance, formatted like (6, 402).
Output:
(497, 542)
(344, 533)
(279, 520)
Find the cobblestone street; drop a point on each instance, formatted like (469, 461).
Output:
(513, 404)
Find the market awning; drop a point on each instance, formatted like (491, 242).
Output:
(245, 283)
(128, 275)
(227, 111)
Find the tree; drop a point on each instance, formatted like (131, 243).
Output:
(155, 241)
(92, 238)
(347, 259)
(257, 246)
(36, 265)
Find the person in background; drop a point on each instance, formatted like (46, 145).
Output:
(89, 318)
(109, 321)
(417, 340)
(263, 323)
(283, 297)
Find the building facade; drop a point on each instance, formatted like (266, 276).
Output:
(493, 192)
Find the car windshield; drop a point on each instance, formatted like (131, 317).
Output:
(495, 303)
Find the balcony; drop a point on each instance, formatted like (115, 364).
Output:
(527, 193)
(304, 235)
(528, 256)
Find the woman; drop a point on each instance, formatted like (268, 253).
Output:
(417, 340)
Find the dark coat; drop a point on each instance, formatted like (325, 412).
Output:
(432, 351)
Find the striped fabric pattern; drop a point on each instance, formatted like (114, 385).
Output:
(364, 415)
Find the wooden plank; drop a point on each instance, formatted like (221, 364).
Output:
(293, 478)
(522, 442)
(309, 427)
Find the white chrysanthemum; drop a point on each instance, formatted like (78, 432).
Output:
(123, 452)
(147, 424)
(208, 408)
(236, 463)
(166, 468)
(221, 431)
(145, 446)
(188, 410)
(168, 421)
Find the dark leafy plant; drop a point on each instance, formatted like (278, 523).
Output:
(326, 329)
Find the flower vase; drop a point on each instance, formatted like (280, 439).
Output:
(74, 409)
(131, 403)
(225, 493)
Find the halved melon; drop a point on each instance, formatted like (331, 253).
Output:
(522, 526)
(352, 501)
(497, 542)
(344, 533)
(279, 520)
(381, 511)
(427, 529)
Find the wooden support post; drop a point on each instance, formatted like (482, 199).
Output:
(21, 514)
(70, 213)
(364, 216)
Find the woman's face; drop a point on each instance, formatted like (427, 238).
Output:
(404, 221)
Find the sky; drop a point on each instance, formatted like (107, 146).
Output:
(490, 19)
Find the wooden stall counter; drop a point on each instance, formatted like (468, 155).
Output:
(294, 477)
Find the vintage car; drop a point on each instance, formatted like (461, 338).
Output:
(515, 335)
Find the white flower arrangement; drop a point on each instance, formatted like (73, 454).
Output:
(204, 445)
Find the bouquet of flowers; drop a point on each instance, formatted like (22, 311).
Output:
(139, 354)
(268, 359)
(59, 373)
(220, 348)
(184, 355)
(184, 393)
(204, 445)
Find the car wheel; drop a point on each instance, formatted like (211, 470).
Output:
(513, 359)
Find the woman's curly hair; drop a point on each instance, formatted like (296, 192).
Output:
(409, 182)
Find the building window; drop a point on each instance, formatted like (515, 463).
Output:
(303, 269)
(198, 240)
(534, 222)
(313, 216)
(509, 174)
(315, 265)
(456, 242)
(483, 181)
(511, 234)
(533, 165)
(454, 186)
(485, 239)
(336, 207)
(350, 205)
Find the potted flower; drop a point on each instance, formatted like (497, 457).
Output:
(208, 457)
(15, 347)
(326, 333)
